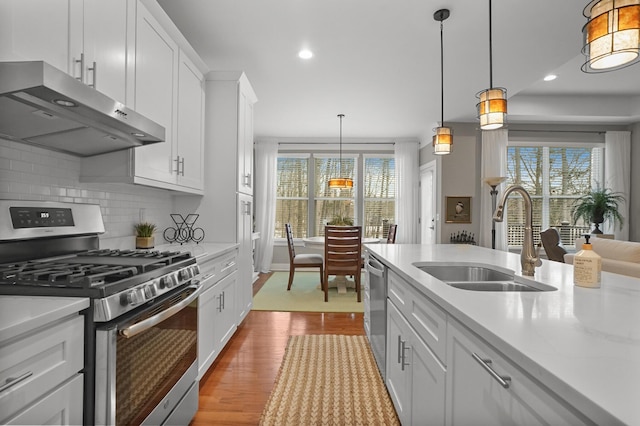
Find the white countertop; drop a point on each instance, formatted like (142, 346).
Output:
(19, 314)
(202, 251)
(584, 344)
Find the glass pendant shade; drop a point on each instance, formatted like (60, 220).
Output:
(492, 108)
(612, 35)
(340, 183)
(443, 141)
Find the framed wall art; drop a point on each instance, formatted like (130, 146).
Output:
(458, 210)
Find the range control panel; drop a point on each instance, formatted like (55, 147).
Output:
(40, 217)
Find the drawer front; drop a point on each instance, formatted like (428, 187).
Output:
(45, 358)
(63, 406)
(217, 268)
(429, 321)
(398, 291)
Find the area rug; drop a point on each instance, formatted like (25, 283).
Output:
(305, 295)
(328, 380)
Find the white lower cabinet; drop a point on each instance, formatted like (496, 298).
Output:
(415, 377)
(217, 308)
(63, 406)
(485, 388)
(440, 372)
(40, 373)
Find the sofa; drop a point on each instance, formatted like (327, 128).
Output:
(620, 257)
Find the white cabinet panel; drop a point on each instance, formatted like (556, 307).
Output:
(168, 89)
(37, 363)
(190, 146)
(63, 406)
(415, 378)
(155, 94)
(217, 316)
(477, 396)
(106, 29)
(25, 24)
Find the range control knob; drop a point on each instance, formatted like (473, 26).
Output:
(185, 274)
(135, 297)
(150, 291)
(164, 282)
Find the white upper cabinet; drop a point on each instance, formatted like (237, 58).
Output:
(245, 139)
(190, 146)
(156, 95)
(87, 39)
(35, 30)
(168, 88)
(100, 49)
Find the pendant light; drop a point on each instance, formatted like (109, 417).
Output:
(611, 35)
(492, 107)
(443, 139)
(340, 182)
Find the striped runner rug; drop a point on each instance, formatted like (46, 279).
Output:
(328, 380)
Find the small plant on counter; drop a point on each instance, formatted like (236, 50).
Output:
(144, 235)
(144, 229)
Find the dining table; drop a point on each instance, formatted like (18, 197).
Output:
(341, 282)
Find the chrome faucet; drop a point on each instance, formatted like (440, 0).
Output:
(529, 258)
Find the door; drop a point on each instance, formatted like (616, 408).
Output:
(428, 215)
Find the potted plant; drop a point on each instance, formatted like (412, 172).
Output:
(144, 235)
(598, 206)
(339, 220)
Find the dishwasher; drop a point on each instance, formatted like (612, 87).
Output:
(376, 275)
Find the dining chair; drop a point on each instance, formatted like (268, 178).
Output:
(301, 260)
(342, 255)
(550, 239)
(391, 236)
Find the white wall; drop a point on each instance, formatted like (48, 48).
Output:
(457, 176)
(32, 173)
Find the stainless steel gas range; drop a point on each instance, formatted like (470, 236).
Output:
(141, 326)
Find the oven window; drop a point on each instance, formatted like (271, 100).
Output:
(149, 364)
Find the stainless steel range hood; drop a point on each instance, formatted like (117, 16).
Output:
(41, 105)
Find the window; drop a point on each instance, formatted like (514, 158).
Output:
(333, 203)
(554, 176)
(292, 199)
(379, 195)
(305, 200)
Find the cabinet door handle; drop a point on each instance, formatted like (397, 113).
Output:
(405, 348)
(228, 265)
(220, 303)
(177, 169)
(399, 349)
(12, 381)
(94, 70)
(485, 363)
(181, 164)
(81, 62)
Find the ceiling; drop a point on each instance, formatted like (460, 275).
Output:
(378, 62)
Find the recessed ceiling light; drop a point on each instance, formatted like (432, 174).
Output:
(550, 77)
(305, 54)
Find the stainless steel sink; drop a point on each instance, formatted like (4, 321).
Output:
(465, 273)
(492, 286)
(476, 277)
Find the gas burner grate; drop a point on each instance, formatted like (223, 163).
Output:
(65, 274)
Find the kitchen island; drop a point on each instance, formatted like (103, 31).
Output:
(581, 346)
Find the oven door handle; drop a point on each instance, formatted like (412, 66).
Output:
(148, 323)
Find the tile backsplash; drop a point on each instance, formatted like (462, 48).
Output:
(31, 173)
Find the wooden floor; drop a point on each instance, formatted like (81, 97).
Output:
(236, 388)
